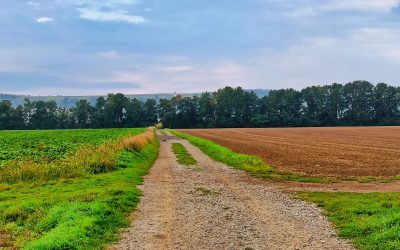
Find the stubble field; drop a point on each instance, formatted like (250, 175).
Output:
(337, 152)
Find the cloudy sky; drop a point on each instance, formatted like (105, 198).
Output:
(80, 47)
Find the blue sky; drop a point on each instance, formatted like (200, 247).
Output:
(81, 47)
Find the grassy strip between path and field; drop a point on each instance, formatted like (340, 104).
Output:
(79, 213)
(183, 156)
(370, 221)
(249, 163)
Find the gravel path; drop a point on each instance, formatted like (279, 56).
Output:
(209, 206)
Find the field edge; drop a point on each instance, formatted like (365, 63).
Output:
(85, 212)
(248, 163)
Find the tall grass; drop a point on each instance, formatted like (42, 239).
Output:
(139, 142)
(87, 160)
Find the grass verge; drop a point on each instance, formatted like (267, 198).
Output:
(183, 156)
(370, 221)
(249, 163)
(80, 213)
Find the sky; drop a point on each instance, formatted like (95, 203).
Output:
(93, 47)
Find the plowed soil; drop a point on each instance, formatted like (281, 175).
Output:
(336, 152)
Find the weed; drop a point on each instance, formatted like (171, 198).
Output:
(370, 221)
(183, 156)
(205, 191)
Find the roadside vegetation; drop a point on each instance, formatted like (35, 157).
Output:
(84, 211)
(251, 164)
(370, 221)
(182, 155)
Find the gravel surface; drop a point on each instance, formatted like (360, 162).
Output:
(209, 206)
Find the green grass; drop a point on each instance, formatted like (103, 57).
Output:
(80, 213)
(370, 221)
(182, 155)
(249, 163)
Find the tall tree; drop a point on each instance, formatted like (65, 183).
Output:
(135, 113)
(150, 112)
(167, 112)
(44, 115)
(115, 110)
(206, 111)
(99, 116)
(359, 102)
(187, 112)
(83, 112)
(386, 104)
(5, 114)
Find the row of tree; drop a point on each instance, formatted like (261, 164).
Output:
(356, 103)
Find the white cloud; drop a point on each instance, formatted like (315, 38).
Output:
(314, 8)
(177, 69)
(105, 10)
(116, 76)
(113, 16)
(44, 20)
(35, 5)
(110, 55)
(362, 5)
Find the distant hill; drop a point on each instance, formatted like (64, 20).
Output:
(260, 92)
(69, 101)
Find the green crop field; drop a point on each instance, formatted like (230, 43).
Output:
(49, 145)
(70, 189)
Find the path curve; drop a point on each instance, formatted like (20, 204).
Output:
(211, 206)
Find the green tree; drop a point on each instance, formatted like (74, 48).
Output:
(135, 113)
(150, 112)
(187, 112)
(359, 103)
(44, 115)
(206, 110)
(115, 110)
(83, 113)
(99, 117)
(5, 114)
(386, 104)
(284, 108)
(166, 110)
(335, 104)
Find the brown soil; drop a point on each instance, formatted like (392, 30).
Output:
(336, 152)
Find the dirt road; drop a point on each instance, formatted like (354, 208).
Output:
(208, 206)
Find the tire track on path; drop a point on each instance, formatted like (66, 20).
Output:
(209, 206)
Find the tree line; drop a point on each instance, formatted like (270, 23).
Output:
(358, 103)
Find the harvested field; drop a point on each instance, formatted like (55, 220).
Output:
(336, 152)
